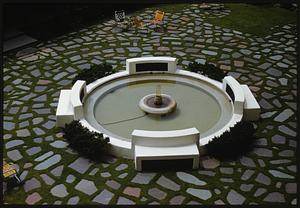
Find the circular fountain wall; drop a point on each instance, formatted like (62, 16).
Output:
(113, 107)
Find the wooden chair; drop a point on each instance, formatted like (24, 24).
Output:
(138, 23)
(158, 17)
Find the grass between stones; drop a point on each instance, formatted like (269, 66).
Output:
(92, 49)
(256, 20)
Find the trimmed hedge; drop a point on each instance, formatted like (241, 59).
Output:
(95, 72)
(207, 69)
(89, 144)
(234, 143)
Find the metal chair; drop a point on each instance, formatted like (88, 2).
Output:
(120, 19)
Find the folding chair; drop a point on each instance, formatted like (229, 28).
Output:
(10, 172)
(138, 23)
(158, 19)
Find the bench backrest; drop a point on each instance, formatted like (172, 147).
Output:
(165, 138)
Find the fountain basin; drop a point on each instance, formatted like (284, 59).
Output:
(110, 105)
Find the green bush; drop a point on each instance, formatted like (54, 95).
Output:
(234, 143)
(207, 69)
(95, 72)
(89, 144)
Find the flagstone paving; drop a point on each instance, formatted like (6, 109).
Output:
(54, 174)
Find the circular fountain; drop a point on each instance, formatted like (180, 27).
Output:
(191, 111)
(160, 104)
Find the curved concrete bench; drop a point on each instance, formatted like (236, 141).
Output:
(237, 90)
(77, 95)
(135, 65)
(251, 106)
(165, 145)
(64, 112)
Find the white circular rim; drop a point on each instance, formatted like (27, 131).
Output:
(122, 146)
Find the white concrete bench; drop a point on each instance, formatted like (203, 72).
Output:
(251, 106)
(165, 145)
(238, 92)
(78, 93)
(64, 112)
(133, 64)
(70, 105)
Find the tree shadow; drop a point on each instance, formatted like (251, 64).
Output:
(232, 145)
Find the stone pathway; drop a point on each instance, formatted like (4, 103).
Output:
(54, 174)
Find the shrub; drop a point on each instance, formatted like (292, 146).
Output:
(234, 143)
(94, 72)
(207, 69)
(89, 144)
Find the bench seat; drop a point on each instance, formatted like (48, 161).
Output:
(64, 112)
(251, 106)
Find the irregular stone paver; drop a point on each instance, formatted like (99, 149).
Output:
(33, 198)
(87, 187)
(31, 184)
(104, 197)
(235, 198)
(23, 133)
(73, 200)
(59, 191)
(94, 171)
(13, 143)
(70, 179)
(81, 165)
(113, 184)
(59, 144)
(47, 179)
(167, 183)
(190, 178)
(44, 156)
(143, 178)
(57, 171)
(121, 167)
(291, 188)
(157, 193)
(200, 193)
(176, 200)
(274, 197)
(278, 139)
(14, 155)
(279, 174)
(124, 201)
(33, 150)
(210, 163)
(259, 192)
(263, 179)
(48, 163)
(132, 191)
(284, 115)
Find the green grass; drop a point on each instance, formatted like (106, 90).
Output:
(256, 20)
(170, 8)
